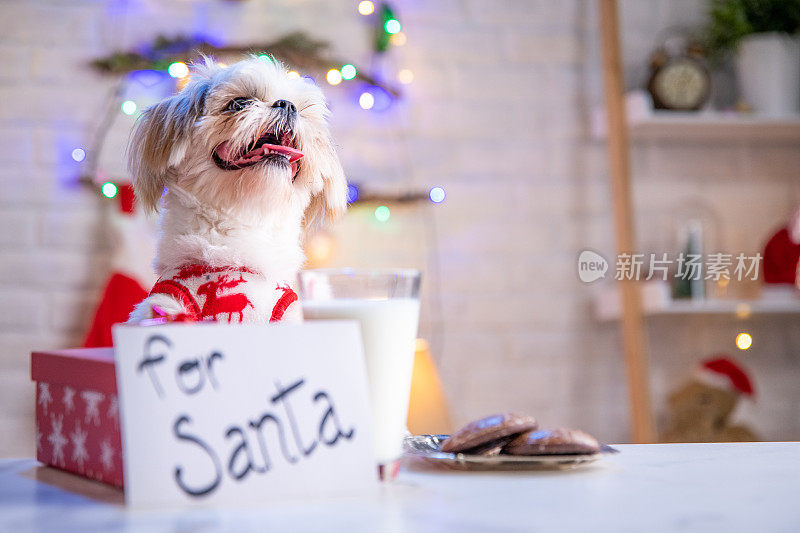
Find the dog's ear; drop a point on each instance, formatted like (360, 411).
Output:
(161, 138)
(329, 197)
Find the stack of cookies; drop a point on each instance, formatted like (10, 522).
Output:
(515, 434)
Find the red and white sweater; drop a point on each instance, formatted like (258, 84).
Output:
(232, 294)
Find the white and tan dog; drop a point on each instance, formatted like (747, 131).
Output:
(243, 160)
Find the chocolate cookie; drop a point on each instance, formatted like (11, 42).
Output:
(490, 449)
(552, 442)
(486, 430)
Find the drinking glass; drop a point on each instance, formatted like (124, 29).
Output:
(386, 304)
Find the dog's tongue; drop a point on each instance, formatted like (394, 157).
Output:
(224, 152)
(288, 151)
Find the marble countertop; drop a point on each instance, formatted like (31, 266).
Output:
(656, 487)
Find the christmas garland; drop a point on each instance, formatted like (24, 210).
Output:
(296, 49)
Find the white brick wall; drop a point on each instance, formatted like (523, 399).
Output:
(497, 115)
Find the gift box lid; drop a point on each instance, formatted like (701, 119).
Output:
(87, 368)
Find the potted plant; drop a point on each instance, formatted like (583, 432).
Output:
(764, 36)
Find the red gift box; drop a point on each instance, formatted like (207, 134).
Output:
(77, 412)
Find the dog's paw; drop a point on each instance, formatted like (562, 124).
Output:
(158, 305)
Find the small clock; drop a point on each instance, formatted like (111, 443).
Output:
(678, 83)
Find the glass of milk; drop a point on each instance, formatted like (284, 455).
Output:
(386, 303)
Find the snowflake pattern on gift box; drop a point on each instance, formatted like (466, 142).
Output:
(79, 453)
(77, 431)
(113, 409)
(57, 439)
(44, 396)
(92, 399)
(69, 399)
(107, 455)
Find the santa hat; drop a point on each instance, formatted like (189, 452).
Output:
(725, 373)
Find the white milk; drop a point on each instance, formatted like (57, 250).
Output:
(389, 329)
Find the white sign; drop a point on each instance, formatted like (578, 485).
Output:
(217, 414)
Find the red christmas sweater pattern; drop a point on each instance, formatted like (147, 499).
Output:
(219, 294)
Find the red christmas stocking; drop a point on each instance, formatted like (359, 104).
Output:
(130, 273)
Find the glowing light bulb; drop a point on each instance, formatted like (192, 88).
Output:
(293, 74)
(129, 107)
(334, 77)
(744, 341)
(405, 76)
(178, 70)
(320, 248)
(366, 101)
(78, 154)
(366, 7)
(348, 72)
(109, 190)
(398, 39)
(352, 193)
(382, 213)
(392, 26)
(437, 195)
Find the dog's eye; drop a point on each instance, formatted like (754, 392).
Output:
(237, 104)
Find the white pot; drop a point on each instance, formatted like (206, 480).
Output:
(768, 65)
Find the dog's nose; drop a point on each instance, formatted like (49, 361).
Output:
(286, 105)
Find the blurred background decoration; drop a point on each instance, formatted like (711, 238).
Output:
(762, 35)
(473, 135)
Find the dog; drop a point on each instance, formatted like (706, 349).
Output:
(240, 162)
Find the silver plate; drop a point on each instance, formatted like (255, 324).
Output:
(427, 447)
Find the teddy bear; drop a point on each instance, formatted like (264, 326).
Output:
(699, 411)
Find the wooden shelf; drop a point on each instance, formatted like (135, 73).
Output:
(656, 302)
(739, 308)
(715, 127)
(706, 127)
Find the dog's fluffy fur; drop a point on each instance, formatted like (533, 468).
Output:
(249, 216)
